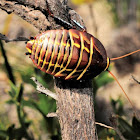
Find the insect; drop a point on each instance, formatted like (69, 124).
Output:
(70, 54)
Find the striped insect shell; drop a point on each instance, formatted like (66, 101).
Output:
(68, 54)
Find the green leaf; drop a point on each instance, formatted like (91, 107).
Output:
(126, 129)
(41, 80)
(45, 79)
(28, 103)
(34, 105)
(103, 79)
(105, 133)
(26, 75)
(19, 93)
(136, 125)
(46, 104)
(13, 90)
(117, 106)
(3, 133)
(10, 102)
(15, 133)
(7, 65)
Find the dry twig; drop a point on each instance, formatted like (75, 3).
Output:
(52, 114)
(135, 79)
(6, 39)
(44, 90)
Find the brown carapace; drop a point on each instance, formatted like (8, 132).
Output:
(69, 54)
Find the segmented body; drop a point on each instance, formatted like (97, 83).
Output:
(70, 54)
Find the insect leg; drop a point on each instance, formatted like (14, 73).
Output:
(79, 25)
(32, 38)
(27, 53)
(63, 22)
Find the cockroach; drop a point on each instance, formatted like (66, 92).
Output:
(70, 54)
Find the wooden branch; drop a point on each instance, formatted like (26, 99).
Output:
(75, 108)
(35, 17)
(43, 90)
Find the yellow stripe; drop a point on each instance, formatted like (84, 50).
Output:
(52, 55)
(66, 54)
(40, 60)
(77, 45)
(80, 59)
(39, 43)
(70, 56)
(75, 35)
(34, 44)
(33, 54)
(50, 42)
(59, 54)
(44, 62)
(86, 39)
(87, 50)
(108, 63)
(48, 63)
(88, 42)
(57, 43)
(90, 59)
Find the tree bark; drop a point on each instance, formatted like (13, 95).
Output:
(75, 108)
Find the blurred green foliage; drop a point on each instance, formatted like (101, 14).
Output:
(125, 11)
(42, 104)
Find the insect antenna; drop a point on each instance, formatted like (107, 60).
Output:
(124, 55)
(123, 91)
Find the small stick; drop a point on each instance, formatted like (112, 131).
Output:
(52, 114)
(6, 39)
(44, 90)
(135, 79)
(104, 125)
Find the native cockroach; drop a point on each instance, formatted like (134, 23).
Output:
(70, 54)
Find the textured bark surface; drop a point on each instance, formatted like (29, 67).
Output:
(75, 109)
